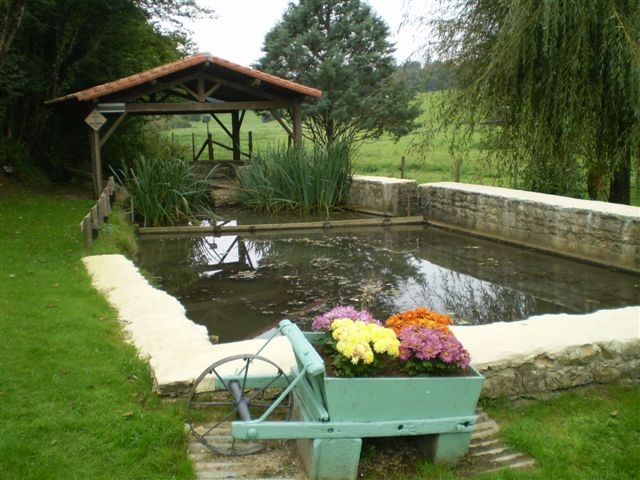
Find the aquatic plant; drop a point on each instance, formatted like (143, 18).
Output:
(303, 179)
(165, 190)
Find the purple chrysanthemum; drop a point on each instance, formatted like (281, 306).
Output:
(424, 343)
(323, 322)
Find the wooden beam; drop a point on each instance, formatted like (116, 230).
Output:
(158, 86)
(201, 96)
(96, 163)
(211, 90)
(112, 129)
(277, 116)
(222, 125)
(250, 87)
(193, 107)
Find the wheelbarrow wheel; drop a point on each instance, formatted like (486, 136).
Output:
(236, 388)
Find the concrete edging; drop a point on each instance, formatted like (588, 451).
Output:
(517, 358)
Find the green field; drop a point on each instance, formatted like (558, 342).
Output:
(380, 157)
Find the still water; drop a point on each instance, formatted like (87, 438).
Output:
(239, 286)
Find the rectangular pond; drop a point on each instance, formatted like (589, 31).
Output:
(239, 286)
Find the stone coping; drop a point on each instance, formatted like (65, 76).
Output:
(515, 343)
(178, 350)
(548, 199)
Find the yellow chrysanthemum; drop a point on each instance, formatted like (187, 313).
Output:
(358, 341)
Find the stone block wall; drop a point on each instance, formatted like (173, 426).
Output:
(576, 366)
(551, 352)
(393, 197)
(599, 232)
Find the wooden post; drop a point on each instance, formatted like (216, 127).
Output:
(96, 163)
(87, 230)
(297, 124)
(402, 167)
(210, 146)
(235, 134)
(250, 145)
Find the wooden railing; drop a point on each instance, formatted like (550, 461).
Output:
(98, 215)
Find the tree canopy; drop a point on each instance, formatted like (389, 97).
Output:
(341, 48)
(50, 48)
(560, 80)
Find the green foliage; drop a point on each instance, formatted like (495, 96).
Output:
(75, 401)
(117, 235)
(166, 190)
(586, 433)
(341, 48)
(302, 179)
(560, 79)
(68, 45)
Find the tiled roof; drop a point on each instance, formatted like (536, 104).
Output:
(141, 78)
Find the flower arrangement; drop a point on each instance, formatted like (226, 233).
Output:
(414, 342)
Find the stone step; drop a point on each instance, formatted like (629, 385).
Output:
(487, 453)
(279, 460)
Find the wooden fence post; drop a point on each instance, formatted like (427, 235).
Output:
(99, 213)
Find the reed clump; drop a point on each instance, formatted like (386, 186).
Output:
(165, 190)
(303, 179)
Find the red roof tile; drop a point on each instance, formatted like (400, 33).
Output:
(141, 78)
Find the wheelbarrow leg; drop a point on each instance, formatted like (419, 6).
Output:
(446, 447)
(330, 459)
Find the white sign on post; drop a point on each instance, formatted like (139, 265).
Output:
(95, 120)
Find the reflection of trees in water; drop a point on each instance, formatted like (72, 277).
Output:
(179, 263)
(386, 271)
(320, 271)
(174, 262)
(472, 301)
(338, 269)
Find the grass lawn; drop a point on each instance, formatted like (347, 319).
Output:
(76, 403)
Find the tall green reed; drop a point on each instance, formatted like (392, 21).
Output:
(165, 190)
(301, 179)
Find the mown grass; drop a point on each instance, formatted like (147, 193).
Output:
(75, 401)
(590, 433)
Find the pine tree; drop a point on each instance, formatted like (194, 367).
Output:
(341, 48)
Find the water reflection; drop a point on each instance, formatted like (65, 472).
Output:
(240, 286)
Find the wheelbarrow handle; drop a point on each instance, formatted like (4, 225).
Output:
(306, 354)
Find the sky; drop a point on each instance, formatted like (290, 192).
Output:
(238, 32)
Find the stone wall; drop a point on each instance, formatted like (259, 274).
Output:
(573, 367)
(553, 352)
(599, 232)
(383, 196)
